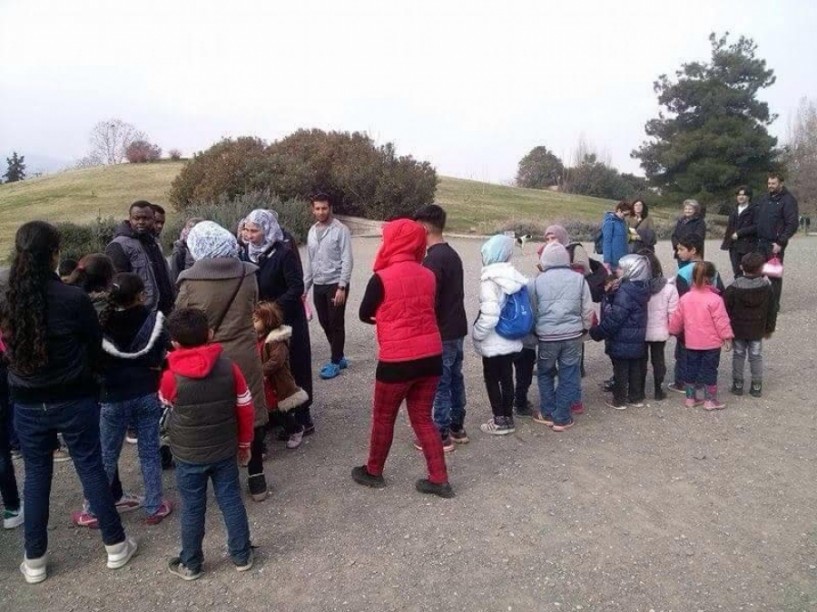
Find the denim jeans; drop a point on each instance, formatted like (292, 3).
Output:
(115, 418)
(78, 421)
(702, 366)
(556, 399)
(191, 480)
(449, 402)
(8, 481)
(755, 350)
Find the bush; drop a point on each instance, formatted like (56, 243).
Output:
(174, 154)
(141, 152)
(80, 240)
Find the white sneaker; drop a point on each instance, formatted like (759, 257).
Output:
(13, 518)
(34, 570)
(120, 554)
(294, 440)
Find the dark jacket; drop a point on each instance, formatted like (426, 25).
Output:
(751, 306)
(745, 226)
(142, 255)
(449, 305)
(778, 217)
(623, 323)
(180, 259)
(133, 351)
(687, 226)
(73, 345)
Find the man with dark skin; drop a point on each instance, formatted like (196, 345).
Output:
(158, 219)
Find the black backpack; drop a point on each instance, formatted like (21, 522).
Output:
(596, 277)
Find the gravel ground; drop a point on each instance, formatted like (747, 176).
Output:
(659, 508)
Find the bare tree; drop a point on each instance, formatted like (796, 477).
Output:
(110, 140)
(801, 155)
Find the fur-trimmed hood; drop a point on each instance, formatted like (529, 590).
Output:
(279, 334)
(143, 343)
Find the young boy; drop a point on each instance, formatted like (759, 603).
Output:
(212, 406)
(751, 306)
(690, 249)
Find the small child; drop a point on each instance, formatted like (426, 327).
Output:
(701, 317)
(211, 424)
(663, 303)
(623, 326)
(279, 385)
(498, 280)
(751, 307)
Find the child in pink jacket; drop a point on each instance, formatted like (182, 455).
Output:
(702, 318)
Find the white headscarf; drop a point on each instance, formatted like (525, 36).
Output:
(208, 240)
(268, 222)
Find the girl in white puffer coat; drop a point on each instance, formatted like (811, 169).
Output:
(663, 302)
(498, 280)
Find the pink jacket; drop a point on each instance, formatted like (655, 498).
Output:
(660, 308)
(702, 318)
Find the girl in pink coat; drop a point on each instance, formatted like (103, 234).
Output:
(701, 316)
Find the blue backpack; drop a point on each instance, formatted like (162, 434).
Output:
(516, 318)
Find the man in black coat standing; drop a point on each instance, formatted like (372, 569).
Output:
(777, 221)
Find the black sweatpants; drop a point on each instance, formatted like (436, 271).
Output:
(523, 363)
(498, 374)
(332, 318)
(655, 353)
(628, 387)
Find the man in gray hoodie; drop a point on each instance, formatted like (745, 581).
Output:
(328, 271)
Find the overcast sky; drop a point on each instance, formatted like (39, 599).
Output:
(469, 85)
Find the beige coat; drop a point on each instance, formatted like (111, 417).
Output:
(208, 285)
(275, 365)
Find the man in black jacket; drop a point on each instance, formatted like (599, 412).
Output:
(777, 220)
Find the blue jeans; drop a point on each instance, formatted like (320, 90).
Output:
(78, 422)
(449, 402)
(556, 400)
(191, 480)
(702, 366)
(114, 419)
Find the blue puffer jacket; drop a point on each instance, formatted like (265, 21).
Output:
(615, 236)
(623, 323)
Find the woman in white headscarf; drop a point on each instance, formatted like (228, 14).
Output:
(226, 289)
(280, 280)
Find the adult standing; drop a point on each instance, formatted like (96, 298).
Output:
(159, 218)
(280, 280)
(643, 227)
(776, 223)
(180, 258)
(54, 339)
(328, 273)
(226, 289)
(741, 229)
(690, 222)
(135, 249)
(615, 234)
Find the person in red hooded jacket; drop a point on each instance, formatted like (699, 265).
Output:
(399, 300)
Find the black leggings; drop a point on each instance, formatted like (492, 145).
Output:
(498, 373)
(655, 353)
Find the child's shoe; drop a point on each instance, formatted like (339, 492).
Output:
(13, 518)
(34, 570)
(714, 404)
(577, 408)
(756, 390)
(247, 565)
(459, 436)
(660, 394)
(677, 387)
(294, 440)
(525, 411)
(440, 490)
(737, 387)
(613, 404)
(164, 510)
(498, 426)
(178, 568)
(257, 484)
(120, 554)
(563, 426)
(362, 477)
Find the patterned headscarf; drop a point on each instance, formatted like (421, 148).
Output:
(208, 240)
(268, 222)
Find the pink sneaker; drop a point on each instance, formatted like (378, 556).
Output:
(577, 408)
(691, 402)
(165, 508)
(714, 405)
(81, 518)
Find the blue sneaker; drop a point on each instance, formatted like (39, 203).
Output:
(343, 363)
(330, 370)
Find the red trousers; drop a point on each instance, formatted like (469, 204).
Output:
(419, 395)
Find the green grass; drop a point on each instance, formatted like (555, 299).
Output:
(80, 195)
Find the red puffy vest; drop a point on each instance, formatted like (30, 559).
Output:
(406, 322)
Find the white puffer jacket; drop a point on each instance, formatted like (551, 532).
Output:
(497, 281)
(659, 310)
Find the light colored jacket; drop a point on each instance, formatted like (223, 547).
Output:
(497, 281)
(659, 311)
(329, 255)
(563, 304)
(701, 316)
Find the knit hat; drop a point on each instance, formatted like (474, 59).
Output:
(558, 232)
(554, 255)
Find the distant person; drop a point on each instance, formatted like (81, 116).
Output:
(615, 234)
(776, 224)
(159, 218)
(741, 229)
(449, 307)
(690, 223)
(135, 249)
(328, 273)
(180, 258)
(642, 229)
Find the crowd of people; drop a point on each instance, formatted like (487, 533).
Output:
(211, 351)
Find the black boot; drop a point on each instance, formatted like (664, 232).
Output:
(440, 490)
(737, 387)
(756, 389)
(361, 476)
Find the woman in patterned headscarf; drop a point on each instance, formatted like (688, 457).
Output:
(226, 288)
(280, 280)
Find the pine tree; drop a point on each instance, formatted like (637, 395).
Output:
(16, 168)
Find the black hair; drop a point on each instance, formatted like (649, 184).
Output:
(744, 190)
(66, 267)
(693, 241)
(189, 327)
(624, 206)
(752, 263)
(157, 209)
(141, 204)
(321, 196)
(644, 209)
(25, 310)
(432, 214)
(776, 175)
(94, 273)
(124, 292)
(655, 264)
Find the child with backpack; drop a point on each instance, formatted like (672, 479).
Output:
(498, 281)
(663, 303)
(279, 385)
(701, 316)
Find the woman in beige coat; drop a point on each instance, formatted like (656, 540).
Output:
(226, 289)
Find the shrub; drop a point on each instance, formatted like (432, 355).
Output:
(80, 240)
(141, 151)
(174, 154)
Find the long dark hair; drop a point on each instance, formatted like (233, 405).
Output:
(25, 314)
(93, 274)
(124, 293)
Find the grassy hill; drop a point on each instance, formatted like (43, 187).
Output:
(81, 195)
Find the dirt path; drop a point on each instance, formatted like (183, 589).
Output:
(659, 508)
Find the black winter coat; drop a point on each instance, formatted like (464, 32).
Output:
(745, 226)
(751, 306)
(778, 218)
(687, 227)
(623, 323)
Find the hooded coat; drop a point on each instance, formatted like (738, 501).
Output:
(615, 237)
(702, 318)
(663, 302)
(274, 351)
(751, 307)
